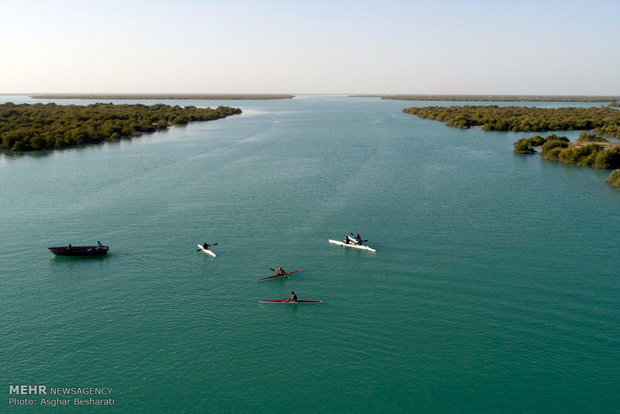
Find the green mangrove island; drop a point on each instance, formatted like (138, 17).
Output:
(499, 98)
(604, 120)
(38, 127)
(159, 96)
(590, 150)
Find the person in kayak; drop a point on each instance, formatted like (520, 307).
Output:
(346, 240)
(206, 246)
(358, 239)
(280, 271)
(293, 297)
(99, 245)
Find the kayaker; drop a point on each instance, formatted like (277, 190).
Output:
(293, 297)
(206, 246)
(346, 240)
(280, 271)
(99, 245)
(358, 239)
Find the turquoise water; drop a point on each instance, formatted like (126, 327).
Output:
(494, 287)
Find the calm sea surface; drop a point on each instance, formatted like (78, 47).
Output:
(495, 285)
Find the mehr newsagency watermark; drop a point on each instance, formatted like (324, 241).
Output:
(47, 396)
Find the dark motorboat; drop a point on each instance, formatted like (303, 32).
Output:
(79, 250)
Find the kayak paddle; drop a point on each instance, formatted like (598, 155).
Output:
(283, 274)
(363, 241)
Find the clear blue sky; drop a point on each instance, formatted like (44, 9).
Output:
(461, 47)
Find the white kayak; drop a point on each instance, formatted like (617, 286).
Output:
(206, 251)
(351, 244)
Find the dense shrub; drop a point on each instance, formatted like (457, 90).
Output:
(554, 143)
(536, 141)
(554, 137)
(590, 137)
(554, 154)
(614, 178)
(569, 155)
(522, 146)
(588, 156)
(608, 159)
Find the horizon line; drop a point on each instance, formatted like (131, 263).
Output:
(305, 93)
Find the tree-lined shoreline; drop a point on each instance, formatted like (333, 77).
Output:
(591, 149)
(37, 127)
(603, 120)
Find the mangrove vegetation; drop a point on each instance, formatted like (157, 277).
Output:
(589, 150)
(614, 178)
(37, 127)
(603, 120)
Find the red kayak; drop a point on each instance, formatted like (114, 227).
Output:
(283, 274)
(290, 301)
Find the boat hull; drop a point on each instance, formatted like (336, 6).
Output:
(289, 301)
(79, 250)
(353, 246)
(206, 251)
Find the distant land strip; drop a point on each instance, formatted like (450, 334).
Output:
(498, 98)
(247, 96)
